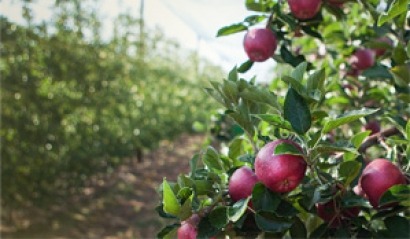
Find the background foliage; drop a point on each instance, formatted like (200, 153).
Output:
(74, 104)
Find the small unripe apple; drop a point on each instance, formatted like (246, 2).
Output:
(259, 44)
(362, 59)
(187, 231)
(373, 126)
(241, 183)
(330, 213)
(304, 9)
(381, 51)
(280, 172)
(377, 177)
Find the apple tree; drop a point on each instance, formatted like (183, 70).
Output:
(324, 147)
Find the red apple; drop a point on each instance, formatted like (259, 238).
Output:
(381, 51)
(362, 59)
(259, 44)
(377, 177)
(304, 9)
(280, 172)
(373, 126)
(241, 183)
(187, 231)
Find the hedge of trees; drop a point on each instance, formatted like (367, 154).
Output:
(74, 104)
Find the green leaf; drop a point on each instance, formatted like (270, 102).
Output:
(168, 231)
(275, 120)
(289, 58)
(269, 222)
(233, 75)
(408, 130)
(286, 209)
(295, 84)
(206, 229)
(299, 71)
(399, 54)
(377, 71)
(170, 201)
(346, 118)
(186, 209)
(298, 229)
(263, 199)
(401, 75)
(244, 67)
(397, 8)
(238, 209)
(348, 171)
(398, 227)
(235, 148)
(285, 148)
(203, 187)
(193, 164)
(234, 28)
(316, 80)
(358, 138)
(297, 112)
(259, 6)
(212, 160)
(339, 146)
(260, 95)
(219, 217)
(319, 232)
(397, 193)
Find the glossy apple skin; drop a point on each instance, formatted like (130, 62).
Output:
(381, 51)
(259, 44)
(362, 59)
(280, 173)
(304, 9)
(241, 183)
(377, 177)
(328, 212)
(187, 231)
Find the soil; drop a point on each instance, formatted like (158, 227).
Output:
(119, 205)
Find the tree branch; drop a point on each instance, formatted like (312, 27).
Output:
(374, 139)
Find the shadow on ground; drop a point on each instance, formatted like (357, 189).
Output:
(119, 205)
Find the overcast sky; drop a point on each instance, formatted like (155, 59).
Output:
(193, 23)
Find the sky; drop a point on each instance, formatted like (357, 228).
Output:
(193, 23)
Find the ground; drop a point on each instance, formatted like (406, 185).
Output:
(120, 205)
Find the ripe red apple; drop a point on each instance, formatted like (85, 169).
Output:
(377, 177)
(362, 59)
(241, 183)
(381, 51)
(259, 44)
(304, 9)
(280, 172)
(188, 229)
(330, 213)
(373, 126)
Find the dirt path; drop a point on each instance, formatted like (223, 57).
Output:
(120, 205)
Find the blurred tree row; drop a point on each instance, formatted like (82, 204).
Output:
(74, 104)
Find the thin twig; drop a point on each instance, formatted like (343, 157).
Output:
(374, 139)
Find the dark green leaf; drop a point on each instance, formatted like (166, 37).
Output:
(346, 118)
(238, 209)
(193, 164)
(206, 229)
(168, 231)
(378, 71)
(297, 112)
(219, 217)
(348, 171)
(298, 229)
(233, 75)
(212, 160)
(289, 58)
(397, 193)
(339, 146)
(286, 209)
(319, 232)
(398, 227)
(269, 222)
(244, 67)
(234, 28)
(263, 199)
